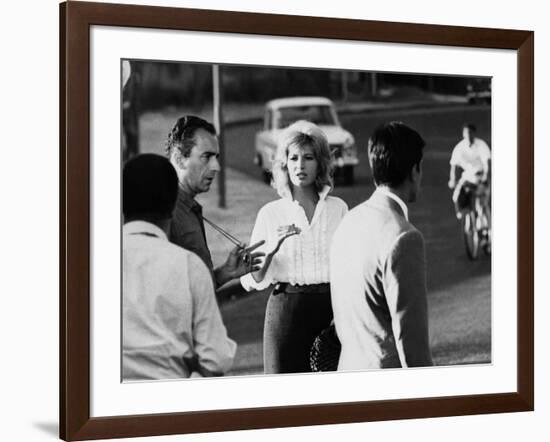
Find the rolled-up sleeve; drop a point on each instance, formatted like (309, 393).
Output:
(214, 349)
(405, 288)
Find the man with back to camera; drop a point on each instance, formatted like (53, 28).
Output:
(193, 150)
(172, 327)
(377, 263)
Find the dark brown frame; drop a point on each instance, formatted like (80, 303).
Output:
(75, 21)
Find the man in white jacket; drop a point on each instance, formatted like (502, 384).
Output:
(378, 281)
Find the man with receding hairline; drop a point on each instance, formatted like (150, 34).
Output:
(193, 150)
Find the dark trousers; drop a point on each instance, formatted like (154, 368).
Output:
(292, 322)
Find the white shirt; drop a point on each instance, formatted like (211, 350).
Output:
(169, 309)
(474, 160)
(303, 259)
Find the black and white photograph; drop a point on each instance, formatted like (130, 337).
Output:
(238, 221)
(281, 220)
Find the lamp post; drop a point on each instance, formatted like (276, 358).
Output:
(218, 124)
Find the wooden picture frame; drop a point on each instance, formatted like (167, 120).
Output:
(76, 18)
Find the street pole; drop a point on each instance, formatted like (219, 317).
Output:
(218, 124)
(344, 86)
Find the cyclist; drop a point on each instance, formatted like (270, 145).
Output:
(473, 157)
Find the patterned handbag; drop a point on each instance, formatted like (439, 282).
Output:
(325, 351)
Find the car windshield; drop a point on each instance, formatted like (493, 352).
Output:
(318, 114)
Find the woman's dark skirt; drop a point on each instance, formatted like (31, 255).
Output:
(293, 320)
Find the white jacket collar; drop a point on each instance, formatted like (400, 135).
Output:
(385, 191)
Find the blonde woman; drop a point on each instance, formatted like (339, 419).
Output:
(297, 229)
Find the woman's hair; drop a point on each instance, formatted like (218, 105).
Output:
(301, 134)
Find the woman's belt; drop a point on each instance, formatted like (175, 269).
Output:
(286, 287)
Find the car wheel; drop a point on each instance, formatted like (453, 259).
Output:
(347, 174)
(266, 176)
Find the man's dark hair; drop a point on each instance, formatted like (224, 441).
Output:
(471, 127)
(394, 149)
(182, 135)
(149, 188)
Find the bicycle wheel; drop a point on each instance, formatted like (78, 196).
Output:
(471, 234)
(487, 245)
(486, 233)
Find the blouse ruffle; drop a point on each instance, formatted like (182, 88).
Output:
(303, 259)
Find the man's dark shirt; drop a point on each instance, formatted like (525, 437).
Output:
(187, 228)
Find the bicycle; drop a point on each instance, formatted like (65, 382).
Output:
(475, 222)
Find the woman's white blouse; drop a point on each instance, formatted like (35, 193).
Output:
(303, 259)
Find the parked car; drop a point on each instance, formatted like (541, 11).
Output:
(478, 90)
(282, 112)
